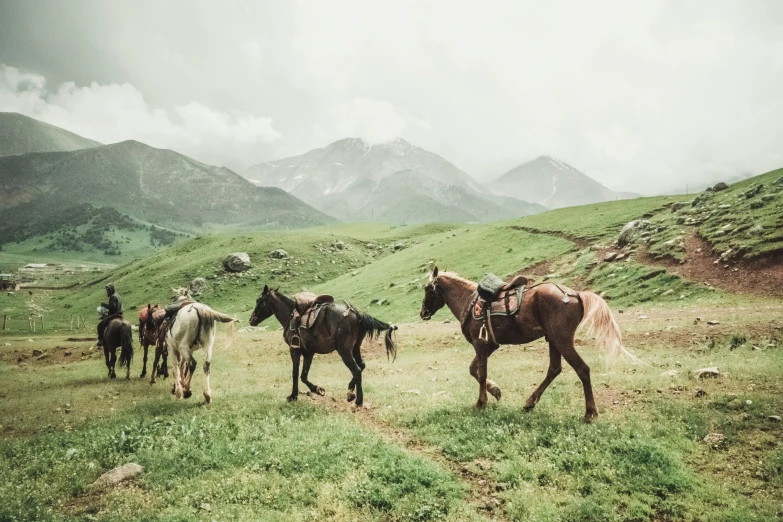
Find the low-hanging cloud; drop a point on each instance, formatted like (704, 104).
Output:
(116, 112)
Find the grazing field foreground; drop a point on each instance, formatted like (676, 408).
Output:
(666, 445)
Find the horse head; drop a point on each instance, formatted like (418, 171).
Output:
(433, 299)
(182, 294)
(263, 309)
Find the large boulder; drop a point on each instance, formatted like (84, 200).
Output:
(631, 230)
(237, 262)
(720, 186)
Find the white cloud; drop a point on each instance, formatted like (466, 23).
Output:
(376, 121)
(117, 112)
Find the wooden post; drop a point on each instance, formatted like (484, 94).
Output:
(33, 324)
(29, 323)
(5, 320)
(71, 327)
(43, 326)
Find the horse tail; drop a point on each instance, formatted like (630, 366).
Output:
(373, 327)
(213, 315)
(126, 351)
(599, 321)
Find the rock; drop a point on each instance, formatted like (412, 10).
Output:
(754, 191)
(339, 245)
(399, 246)
(725, 206)
(755, 230)
(237, 262)
(198, 286)
(714, 439)
(631, 230)
(678, 205)
(755, 205)
(610, 256)
(667, 292)
(767, 197)
(278, 254)
(206, 506)
(719, 186)
(37, 353)
(117, 475)
(704, 373)
(700, 393)
(619, 256)
(713, 322)
(669, 373)
(774, 418)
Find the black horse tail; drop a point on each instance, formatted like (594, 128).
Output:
(126, 352)
(373, 327)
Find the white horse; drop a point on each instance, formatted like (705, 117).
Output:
(194, 328)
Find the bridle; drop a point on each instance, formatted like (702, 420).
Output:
(434, 283)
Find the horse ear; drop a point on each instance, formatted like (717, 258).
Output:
(266, 290)
(277, 289)
(435, 272)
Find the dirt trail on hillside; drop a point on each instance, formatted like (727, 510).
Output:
(760, 276)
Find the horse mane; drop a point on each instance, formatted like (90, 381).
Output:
(458, 278)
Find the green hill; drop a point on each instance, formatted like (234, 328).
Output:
(21, 134)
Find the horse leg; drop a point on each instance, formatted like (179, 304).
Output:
(189, 371)
(478, 369)
(357, 355)
(492, 388)
(555, 367)
(164, 365)
(176, 386)
(112, 362)
(108, 361)
(356, 372)
(207, 363)
(296, 356)
(146, 346)
(155, 364)
(308, 359)
(583, 371)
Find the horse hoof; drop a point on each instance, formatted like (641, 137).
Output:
(187, 394)
(291, 398)
(528, 407)
(113, 376)
(481, 405)
(350, 396)
(207, 398)
(495, 392)
(589, 417)
(143, 374)
(320, 391)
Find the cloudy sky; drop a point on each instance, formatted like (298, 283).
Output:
(643, 96)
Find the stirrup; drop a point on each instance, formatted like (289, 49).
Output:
(296, 342)
(483, 335)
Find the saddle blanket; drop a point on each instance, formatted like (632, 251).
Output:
(506, 303)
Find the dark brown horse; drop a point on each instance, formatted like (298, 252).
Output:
(118, 334)
(339, 327)
(547, 310)
(153, 333)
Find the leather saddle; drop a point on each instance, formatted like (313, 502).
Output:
(307, 300)
(499, 298)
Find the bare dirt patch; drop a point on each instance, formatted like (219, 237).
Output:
(758, 276)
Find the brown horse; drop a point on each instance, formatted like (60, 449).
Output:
(152, 332)
(547, 310)
(118, 334)
(340, 327)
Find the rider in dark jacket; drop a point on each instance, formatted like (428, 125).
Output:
(113, 307)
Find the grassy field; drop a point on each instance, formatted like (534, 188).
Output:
(419, 451)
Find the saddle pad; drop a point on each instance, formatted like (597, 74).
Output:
(507, 303)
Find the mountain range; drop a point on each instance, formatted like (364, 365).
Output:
(554, 184)
(21, 134)
(393, 182)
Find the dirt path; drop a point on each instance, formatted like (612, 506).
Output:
(761, 276)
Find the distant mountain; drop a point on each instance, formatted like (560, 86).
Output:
(554, 184)
(21, 134)
(392, 182)
(152, 185)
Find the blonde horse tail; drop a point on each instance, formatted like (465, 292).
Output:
(601, 324)
(214, 315)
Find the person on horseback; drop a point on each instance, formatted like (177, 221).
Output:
(112, 308)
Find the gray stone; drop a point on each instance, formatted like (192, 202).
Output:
(768, 197)
(704, 373)
(719, 186)
(631, 230)
(753, 191)
(714, 439)
(339, 245)
(117, 475)
(755, 230)
(278, 254)
(610, 256)
(713, 322)
(774, 418)
(198, 286)
(237, 262)
(725, 206)
(399, 246)
(37, 353)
